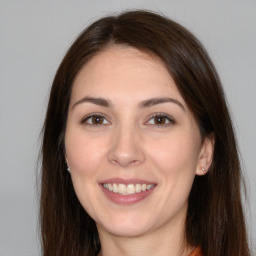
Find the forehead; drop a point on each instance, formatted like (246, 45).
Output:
(124, 71)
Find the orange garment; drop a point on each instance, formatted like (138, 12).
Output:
(196, 252)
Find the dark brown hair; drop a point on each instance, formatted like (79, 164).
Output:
(215, 218)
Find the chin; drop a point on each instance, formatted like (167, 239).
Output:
(128, 227)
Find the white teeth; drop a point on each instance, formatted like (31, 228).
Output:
(121, 189)
(149, 186)
(129, 189)
(138, 188)
(143, 187)
(115, 188)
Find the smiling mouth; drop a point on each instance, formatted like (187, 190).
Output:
(129, 189)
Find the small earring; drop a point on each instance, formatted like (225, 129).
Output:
(203, 169)
(68, 168)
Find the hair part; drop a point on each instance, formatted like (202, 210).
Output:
(215, 219)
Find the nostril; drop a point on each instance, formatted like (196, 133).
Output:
(125, 163)
(125, 150)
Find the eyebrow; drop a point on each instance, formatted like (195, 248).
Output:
(144, 104)
(96, 101)
(156, 101)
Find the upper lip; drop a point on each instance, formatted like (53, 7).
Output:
(126, 181)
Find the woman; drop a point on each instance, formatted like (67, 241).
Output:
(139, 155)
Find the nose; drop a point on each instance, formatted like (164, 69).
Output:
(126, 148)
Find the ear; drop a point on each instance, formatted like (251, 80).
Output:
(65, 155)
(68, 167)
(205, 155)
(66, 159)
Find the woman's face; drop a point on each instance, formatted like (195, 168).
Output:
(132, 144)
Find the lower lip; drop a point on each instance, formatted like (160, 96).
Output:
(126, 199)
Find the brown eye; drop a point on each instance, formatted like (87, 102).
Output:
(160, 119)
(95, 120)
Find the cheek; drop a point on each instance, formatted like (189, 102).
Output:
(84, 154)
(176, 158)
(176, 153)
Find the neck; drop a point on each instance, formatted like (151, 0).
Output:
(163, 242)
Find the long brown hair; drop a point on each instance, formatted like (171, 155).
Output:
(215, 218)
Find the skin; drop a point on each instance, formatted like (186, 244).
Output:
(129, 143)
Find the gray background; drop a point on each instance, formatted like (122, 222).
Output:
(33, 39)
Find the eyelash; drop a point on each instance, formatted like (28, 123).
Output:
(170, 120)
(90, 116)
